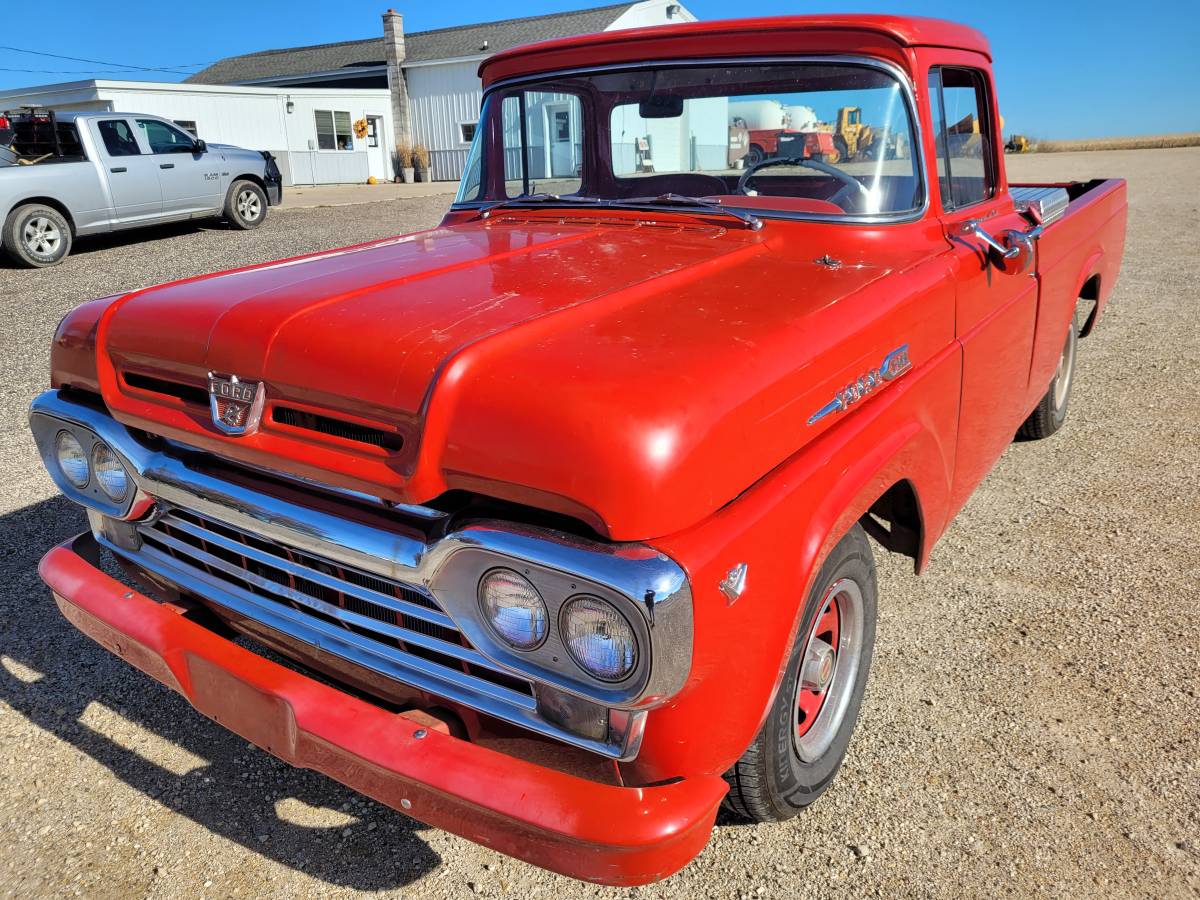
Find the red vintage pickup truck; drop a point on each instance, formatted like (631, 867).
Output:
(551, 526)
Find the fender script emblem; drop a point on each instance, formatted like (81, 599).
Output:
(893, 366)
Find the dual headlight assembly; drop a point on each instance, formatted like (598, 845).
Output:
(100, 466)
(598, 638)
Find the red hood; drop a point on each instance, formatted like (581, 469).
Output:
(560, 364)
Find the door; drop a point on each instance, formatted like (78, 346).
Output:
(377, 164)
(190, 179)
(561, 140)
(130, 170)
(996, 309)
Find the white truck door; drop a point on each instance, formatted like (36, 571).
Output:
(190, 180)
(131, 172)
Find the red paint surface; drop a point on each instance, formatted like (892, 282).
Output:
(654, 379)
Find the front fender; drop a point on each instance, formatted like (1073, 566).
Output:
(783, 528)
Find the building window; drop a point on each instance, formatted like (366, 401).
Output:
(189, 126)
(467, 130)
(333, 130)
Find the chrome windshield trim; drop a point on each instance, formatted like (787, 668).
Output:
(646, 584)
(901, 76)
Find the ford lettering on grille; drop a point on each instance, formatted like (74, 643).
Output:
(236, 405)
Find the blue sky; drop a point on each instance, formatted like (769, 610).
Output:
(1066, 68)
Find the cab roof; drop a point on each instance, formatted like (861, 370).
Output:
(884, 35)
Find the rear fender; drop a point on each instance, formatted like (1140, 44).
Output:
(783, 528)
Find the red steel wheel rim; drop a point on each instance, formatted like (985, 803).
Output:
(828, 674)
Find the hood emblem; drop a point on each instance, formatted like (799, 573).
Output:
(236, 405)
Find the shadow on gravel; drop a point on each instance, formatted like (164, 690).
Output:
(94, 243)
(235, 794)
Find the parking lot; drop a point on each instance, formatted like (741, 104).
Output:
(1030, 726)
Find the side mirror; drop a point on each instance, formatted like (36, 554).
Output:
(199, 146)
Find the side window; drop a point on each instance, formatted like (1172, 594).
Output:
(333, 130)
(188, 125)
(118, 138)
(962, 132)
(164, 138)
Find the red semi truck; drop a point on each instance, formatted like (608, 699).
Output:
(561, 513)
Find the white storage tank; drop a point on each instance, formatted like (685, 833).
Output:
(759, 115)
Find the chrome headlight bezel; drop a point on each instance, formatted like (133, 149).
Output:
(648, 590)
(46, 430)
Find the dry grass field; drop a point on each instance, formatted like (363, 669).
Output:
(1144, 142)
(1030, 728)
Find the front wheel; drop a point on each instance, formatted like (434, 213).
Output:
(246, 205)
(1051, 412)
(800, 748)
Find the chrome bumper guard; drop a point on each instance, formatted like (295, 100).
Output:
(388, 600)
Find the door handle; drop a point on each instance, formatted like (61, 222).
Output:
(166, 165)
(973, 227)
(118, 169)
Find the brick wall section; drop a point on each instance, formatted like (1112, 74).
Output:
(393, 45)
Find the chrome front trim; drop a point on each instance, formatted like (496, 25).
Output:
(650, 589)
(901, 76)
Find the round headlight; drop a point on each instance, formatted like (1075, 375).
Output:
(599, 638)
(514, 608)
(71, 458)
(110, 474)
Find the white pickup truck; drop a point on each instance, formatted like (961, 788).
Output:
(65, 175)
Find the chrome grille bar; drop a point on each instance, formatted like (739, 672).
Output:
(364, 651)
(331, 582)
(402, 634)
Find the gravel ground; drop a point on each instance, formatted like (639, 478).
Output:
(1030, 727)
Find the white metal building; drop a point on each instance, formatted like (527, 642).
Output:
(302, 103)
(431, 75)
(309, 130)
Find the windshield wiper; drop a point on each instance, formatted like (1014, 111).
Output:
(676, 201)
(754, 223)
(533, 199)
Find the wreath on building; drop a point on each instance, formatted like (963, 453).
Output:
(360, 129)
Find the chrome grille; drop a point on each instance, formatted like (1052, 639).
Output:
(387, 626)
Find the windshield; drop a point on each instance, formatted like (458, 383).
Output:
(806, 138)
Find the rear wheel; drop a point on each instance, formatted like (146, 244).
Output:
(37, 236)
(755, 155)
(804, 740)
(246, 205)
(1051, 412)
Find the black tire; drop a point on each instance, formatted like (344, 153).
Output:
(839, 144)
(772, 782)
(1051, 412)
(246, 205)
(36, 236)
(755, 155)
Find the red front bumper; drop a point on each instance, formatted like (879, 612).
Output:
(601, 833)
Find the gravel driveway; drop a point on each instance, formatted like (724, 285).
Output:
(1031, 726)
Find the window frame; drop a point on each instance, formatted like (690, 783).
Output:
(462, 138)
(190, 148)
(937, 108)
(492, 139)
(100, 123)
(194, 131)
(333, 114)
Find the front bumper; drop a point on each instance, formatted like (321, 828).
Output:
(601, 833)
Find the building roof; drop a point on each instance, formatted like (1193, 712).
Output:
(420, 46)
(773, 36)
